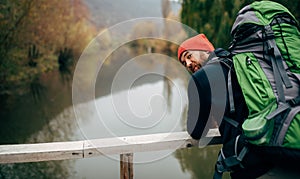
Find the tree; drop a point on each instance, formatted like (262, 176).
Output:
(166, 8)
(48, 26)
(215, 17)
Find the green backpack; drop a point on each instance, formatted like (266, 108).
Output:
(266, 48)
(265, 56)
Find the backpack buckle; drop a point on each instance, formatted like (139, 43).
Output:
(294, 101)
(269, 32)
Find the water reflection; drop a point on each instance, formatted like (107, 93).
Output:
(52, 169)
(39, 124)
(37, 90)
(199, 162)
(24, 115)
(65, 61)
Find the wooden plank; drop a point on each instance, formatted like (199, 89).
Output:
(41, 152)
(95, 147)
(133, 144)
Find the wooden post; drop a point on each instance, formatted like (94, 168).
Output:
(126, 166)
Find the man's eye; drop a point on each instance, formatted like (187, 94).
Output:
(184, 63)
(189, 56)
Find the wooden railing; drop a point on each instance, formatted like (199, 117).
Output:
(125, 146)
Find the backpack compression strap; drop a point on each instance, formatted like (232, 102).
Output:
(279, 72)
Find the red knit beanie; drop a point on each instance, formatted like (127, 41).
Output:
(198, 42)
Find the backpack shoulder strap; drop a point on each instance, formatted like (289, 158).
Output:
(224, 57)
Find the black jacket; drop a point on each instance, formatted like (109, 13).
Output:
(209, 101)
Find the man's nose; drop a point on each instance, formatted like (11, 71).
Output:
(188, 63)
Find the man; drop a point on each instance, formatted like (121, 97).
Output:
(193, 53)
(205, 93)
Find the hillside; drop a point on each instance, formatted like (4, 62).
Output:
(106, 13)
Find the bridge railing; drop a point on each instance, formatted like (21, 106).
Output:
(125, 146)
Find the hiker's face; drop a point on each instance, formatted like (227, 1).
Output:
(193, 60)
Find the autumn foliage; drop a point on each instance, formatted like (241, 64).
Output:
(41, 28)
